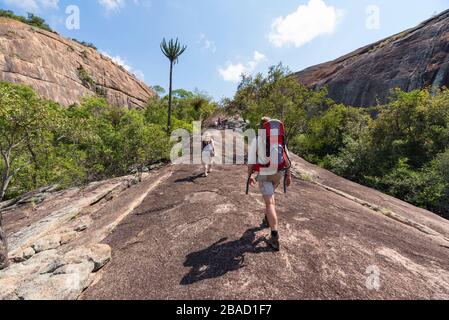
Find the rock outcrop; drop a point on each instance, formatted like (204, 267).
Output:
(63, 70)
(55, 248)
(178, 235)
(413, 59)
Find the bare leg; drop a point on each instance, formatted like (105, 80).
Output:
(206, 170)
(271, 212)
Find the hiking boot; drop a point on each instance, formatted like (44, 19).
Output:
(273, 242)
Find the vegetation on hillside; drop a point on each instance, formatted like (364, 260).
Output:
(401, 148)
(31, 19)
(86, 44)
(42, 143)
(38, 22)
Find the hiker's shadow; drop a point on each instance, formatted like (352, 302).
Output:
(222, 257)
(190, 179)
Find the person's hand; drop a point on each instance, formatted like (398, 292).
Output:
(252, 182)
(250, 170)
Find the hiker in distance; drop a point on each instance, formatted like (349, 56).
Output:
(270, 174)
(208, 155)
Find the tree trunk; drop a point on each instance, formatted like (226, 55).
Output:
(3, 187)
(3, 247)
(34, 160)
(170, 98)
(5, 178)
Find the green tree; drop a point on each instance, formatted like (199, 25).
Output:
(159, 90)
(328, 133)
(42, 143)
(37, 22)
(172, 50)
(280, 96)
(23, 116)
(400, 148)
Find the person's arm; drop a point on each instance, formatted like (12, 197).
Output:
(252, 181)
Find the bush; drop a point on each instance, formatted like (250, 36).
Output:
(86, 78)
(85, 44)
(31, 19)
(400, 148)
(83, 143)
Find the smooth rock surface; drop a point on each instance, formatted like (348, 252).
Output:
(49, 63)
(413, 59)
(199, 238)
(178, 235)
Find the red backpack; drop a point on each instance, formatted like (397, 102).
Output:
(280, 148)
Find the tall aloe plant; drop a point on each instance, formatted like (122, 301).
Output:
(172, 50)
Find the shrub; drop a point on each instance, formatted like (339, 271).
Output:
(31, 19)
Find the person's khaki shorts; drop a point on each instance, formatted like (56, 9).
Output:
(269, 184)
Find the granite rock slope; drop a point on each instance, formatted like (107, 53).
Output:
(413, 59)
(64, 70)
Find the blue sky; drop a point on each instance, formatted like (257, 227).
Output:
(227, 37)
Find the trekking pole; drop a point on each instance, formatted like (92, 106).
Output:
(248, 182)
(287, 169)
(285, 182)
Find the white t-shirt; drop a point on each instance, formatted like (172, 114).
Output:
(210, 147)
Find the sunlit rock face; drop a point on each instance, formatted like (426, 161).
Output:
(413, 59)
(63, 70)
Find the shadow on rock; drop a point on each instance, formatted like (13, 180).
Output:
(222, 257)
(190, 179)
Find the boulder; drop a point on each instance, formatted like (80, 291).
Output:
(82, 224)
(68, 237)
(85, 267)
(24, 255)
(7, 289)
(63, 286)
(99, 254)
(47, 243)
(52, 275)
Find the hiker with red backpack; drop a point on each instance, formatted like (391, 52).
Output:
(269, 158)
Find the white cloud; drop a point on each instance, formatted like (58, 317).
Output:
(116, 5)
(125, 64)
(233, 72)
(112, 5)
(305, 24)
(34, 5)
(206, 44)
